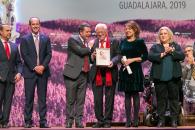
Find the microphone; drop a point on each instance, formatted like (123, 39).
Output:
(127, 67)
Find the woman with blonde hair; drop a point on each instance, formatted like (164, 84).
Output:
(166, 73)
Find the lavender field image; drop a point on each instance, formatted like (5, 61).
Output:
(59, 31)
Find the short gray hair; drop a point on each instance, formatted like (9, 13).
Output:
(188, 45)
(101, 25)
(2, 25)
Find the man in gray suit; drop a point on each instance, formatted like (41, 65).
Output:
(75, 75)
(10, 73)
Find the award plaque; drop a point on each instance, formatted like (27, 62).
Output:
(102, 56)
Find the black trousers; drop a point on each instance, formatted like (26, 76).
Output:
(167, 92)
(75, 97)
(6, 95)
(98, 92)
(30, 84)
(136, 107)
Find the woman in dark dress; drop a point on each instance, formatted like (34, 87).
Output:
(136, 53)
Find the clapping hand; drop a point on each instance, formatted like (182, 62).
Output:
(169, 50)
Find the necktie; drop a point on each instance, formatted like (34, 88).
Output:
(7, 50)
(101, 44)
(37, 47)
(193, 72)
(86, 62)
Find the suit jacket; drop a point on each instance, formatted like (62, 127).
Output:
(9, 68)
(114, 55)
(187, 70)
(76, 53)
(29, 54)
(154, 57)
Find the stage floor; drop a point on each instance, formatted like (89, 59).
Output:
(112, 128)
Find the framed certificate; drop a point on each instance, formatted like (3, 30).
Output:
(102, 56)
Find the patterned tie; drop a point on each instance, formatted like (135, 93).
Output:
(37, 47)
(193, 72)
(7, 50)
(86, 66)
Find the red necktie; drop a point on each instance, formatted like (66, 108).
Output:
(7, 50)
(86, 63)
(101, 44)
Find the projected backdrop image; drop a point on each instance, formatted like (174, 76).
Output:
(59, 32)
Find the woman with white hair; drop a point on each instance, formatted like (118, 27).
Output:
(166, 73)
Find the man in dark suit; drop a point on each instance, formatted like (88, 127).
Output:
(36, 52)
(10, 72)
(75, 75)
(104, 77)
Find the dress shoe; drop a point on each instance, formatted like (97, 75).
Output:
(161, 124)
(79, 124)
(5, 126)
(1, 125)
(128, 124)
(28, 125)
(174, 124)
(44, 125)
(68, 124)
(98, 125)
(107, 125)
(135, 124)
